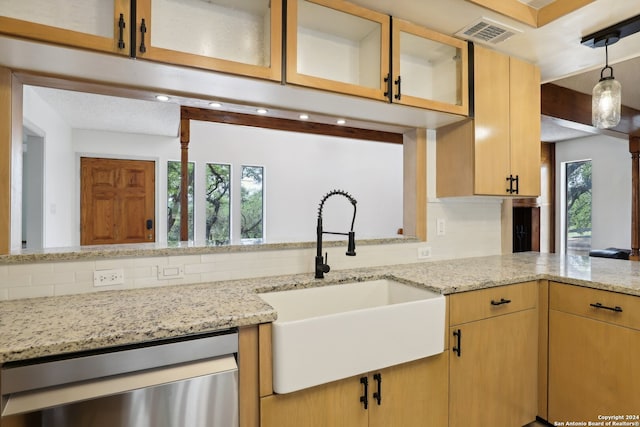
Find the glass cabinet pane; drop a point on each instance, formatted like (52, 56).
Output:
(85, 16)
(233, 30)
(430, 69)
(338, 46)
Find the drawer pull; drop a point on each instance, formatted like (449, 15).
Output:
(458, 348)
(502, 301)
(617, 309)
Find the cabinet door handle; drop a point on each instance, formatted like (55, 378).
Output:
(143, 30)
(378, 394)
(398, 83)
(121, 26)
(387, 80)
(510, 181)
(458, 348)
(617, 309)
(502, 301)
(364, 399)
(517, 180)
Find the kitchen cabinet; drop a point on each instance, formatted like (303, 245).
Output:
(411, 394)
(594, 342)
(240, 37)
(101, 25)
(493, 356)
(498, 151)
(341, 47)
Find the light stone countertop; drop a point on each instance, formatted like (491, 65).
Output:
(38, 327)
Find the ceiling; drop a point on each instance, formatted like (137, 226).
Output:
(554, 47)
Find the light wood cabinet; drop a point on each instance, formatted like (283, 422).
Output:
(341, 47)
(594, 342)
(493, 356)
(498, 151)
(411, 394)
(242, 37)
(101, 25)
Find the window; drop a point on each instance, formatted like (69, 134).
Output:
(218, 209)
(173, 200)
(578, 207)
(252, 204)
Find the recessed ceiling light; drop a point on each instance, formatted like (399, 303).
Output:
(215, 104)
(341, 121)
(163, 98)
(304, 116)
(262, 111)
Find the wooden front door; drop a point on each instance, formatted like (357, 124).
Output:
(117, 201)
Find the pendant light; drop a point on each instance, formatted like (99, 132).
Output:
(605, 103)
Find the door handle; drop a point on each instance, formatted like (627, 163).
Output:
(364, 399)
(378, 394)
(149, 224)
(458, 348)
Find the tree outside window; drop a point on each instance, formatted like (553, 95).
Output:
(578, 204)
(173, 200)
(218, 201)
(252, 204)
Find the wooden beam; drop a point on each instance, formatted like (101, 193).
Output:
(567, 104)
(228, 117)
(5, 160)
(184, 179)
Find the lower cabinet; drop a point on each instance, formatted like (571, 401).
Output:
(594, 348)
(493, 357)
(411, 394)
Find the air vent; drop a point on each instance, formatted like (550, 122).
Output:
(488, 31)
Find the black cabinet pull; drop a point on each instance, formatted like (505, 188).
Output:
(458, 348)
(143, 30)
(510, 181)
(121, 26)
(365, 394)
(387, 80)
(617, 309)
(399, 84)
(378, 394)
(502, 301)
(517, 180)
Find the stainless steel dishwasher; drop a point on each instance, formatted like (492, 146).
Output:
(173, 383)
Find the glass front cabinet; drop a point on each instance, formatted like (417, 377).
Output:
(235, 36)
(341, 47)
(101, 25)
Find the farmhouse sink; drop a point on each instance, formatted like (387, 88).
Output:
(332, 332)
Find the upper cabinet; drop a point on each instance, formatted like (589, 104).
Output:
(235, 36)
(101, 25)
(429, 69)
(496, 153)
(338, 46)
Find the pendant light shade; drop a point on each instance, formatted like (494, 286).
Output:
(605, 102)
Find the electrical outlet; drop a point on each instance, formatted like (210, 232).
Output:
(424, 252)
(441, 227)
(108, 277)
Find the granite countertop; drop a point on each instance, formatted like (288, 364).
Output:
(38, 327)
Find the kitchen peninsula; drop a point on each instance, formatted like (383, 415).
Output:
(37, 327)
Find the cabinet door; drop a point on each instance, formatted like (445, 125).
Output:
(493, 382)
(429, 69)
(240, 37)
(492, 144)
(525, 126)
(593, 369)
(89, 24)
(337, 46)
(329, 405)
(413, 394)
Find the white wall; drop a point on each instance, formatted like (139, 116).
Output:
(611, 188)
(59, 170)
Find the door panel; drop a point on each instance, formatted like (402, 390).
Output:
(117, 198)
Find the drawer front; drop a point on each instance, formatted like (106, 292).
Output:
(475, 305)
(611, 307)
